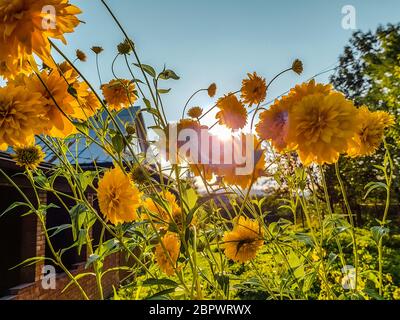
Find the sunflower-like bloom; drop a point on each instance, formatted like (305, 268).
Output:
(68, 73)
(87, 103)
(322, 127)
(195, 112)
(242, 243)
(274, 125)
(125, 47)
(370, 133)
(305, 89)
(168, 256)
(235, 174)
(20, 116)
(118, 196)
(26, 26)
(97, 49)
(166, 212)
(232, 112)
(29, 157)
(119, 94)
(57, 101)
(81, 56)
(189, 141)
(297, 66)
(274, 122)
(254, 89)
(212, 90)
(12, 67)
(205, 171)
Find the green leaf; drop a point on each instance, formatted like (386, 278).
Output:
(92, 258)
(147, 103)
(161, 295)
(58, 229)
(77, 277)
(378, 232)
(80, 214)
(168, 74)
(42, 181)
(161, 282)
(31, 261)
(82, 127)
(148, 69)
(190, 198)
(153, 112)
(163, 91)
(13, 206)
(118, 143)
(86, 178)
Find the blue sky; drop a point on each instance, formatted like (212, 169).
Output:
(221, 40)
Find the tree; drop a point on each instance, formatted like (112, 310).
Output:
(369, 74)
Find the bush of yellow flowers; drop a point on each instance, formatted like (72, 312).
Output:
(207, 247)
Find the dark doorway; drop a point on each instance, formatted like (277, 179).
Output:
(60, 216)
(17, 238)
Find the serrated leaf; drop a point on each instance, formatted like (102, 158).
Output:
(147, 68)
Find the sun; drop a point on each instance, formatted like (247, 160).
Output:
(223, 133)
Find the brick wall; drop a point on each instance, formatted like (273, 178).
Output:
(35, 290)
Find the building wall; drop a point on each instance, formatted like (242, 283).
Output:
(34, 238)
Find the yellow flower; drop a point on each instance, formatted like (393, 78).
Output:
(140, 174)
(305, 89)
(20, 112)
(12, 67)
(119, 94)
(274, 125)
(297, 66)
(370, 133)
(230, 173)
(322, 127)
(192, 143)
(125, 47)
(55, 96)
(167, 211)
(166, 259)
(254, 89)
(68, 72)
(195, 112)
(118, 197)
(212, 90)
(81, 56)
(396, 294)
(97, 49)
(87, 103)
(204, 171)
(29, 157)
(232, 112)
(242, 243)
(25, 28)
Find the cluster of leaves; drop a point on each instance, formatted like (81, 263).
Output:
(369, 74)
